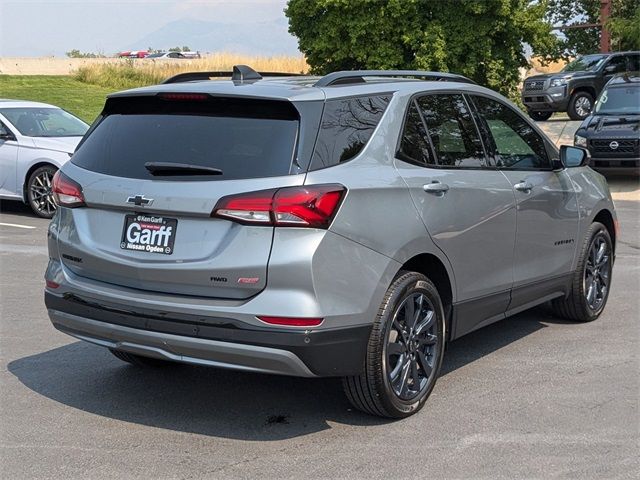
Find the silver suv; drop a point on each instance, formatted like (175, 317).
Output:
(348, 225)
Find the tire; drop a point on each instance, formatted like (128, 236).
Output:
(577, 306)
(39, 193)
(577, 104)
(540, 116)
(398, 379)
(139, 360)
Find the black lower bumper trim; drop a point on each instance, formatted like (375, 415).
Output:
(326, 353)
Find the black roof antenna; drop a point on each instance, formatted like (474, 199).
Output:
(241, 73)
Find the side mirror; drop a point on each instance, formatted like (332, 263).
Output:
(574, 156)
(6, 135)
(610, 69)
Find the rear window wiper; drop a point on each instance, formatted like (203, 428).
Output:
(171, 168)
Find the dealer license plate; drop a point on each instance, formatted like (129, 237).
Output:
(149, 233)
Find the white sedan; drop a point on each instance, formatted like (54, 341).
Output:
(36, 139)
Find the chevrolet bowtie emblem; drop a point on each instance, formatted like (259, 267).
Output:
(140, 200)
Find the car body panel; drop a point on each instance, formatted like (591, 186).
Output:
(547, 225)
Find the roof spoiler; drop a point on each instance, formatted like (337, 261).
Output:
(240, 74)
(358, 76)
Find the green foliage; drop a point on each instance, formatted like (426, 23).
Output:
(85, 101)
(481, 39)
(180, 49)
(623, 24)
(625, 31)
(75, 53)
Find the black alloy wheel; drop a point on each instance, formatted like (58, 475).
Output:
(405, 350)
(411, 352)
(591, 281)
(597, 273)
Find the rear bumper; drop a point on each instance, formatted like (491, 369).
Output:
(214, 341)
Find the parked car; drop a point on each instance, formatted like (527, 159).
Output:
(612, 131)
(348, 226)
(36, 139)
(160, 55)
(576, 86)
(133, 54)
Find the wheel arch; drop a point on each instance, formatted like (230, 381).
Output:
(605, 217)
(585, 88)
(433, 268)
(33, 168)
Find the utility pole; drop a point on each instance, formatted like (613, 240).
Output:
(605, 36)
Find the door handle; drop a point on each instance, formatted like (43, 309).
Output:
(523, 186)
(436, 187)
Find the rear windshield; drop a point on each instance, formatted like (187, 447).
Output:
(243, 139)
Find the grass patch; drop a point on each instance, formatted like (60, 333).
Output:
(81, 99)
(129, 73)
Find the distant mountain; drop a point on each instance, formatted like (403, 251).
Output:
(259, 38)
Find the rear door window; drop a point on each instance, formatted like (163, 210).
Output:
(452, 131)
(242, 139)
(347, 125)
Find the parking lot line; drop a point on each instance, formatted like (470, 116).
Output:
(28, 227)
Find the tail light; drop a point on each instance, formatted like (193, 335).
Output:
(291, 321)
(311, 206)
(67, 192)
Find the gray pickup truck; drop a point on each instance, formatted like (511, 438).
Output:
(575, 88)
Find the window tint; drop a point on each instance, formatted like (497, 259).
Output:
(241, 146)
(413, 146)
(634, 62)
(453, 134)
(346, 127)
(515, 143)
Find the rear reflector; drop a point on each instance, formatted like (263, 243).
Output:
(312, 206)
(292, 321)
(67, 192)
(52, 284)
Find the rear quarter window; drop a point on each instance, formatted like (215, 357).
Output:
(346, 127)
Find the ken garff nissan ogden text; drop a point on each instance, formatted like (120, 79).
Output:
(348, 225)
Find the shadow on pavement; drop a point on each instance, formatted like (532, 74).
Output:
(224, 403)
(16, 207)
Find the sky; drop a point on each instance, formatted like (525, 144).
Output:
(53, 27)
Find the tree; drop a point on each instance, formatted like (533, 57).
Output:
(625, 32)
(482, 40)
(75, 53)
(623, 23)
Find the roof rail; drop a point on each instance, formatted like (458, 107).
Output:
(240, 73)
(358, 76)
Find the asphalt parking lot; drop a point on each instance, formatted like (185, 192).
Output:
(531, 396)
